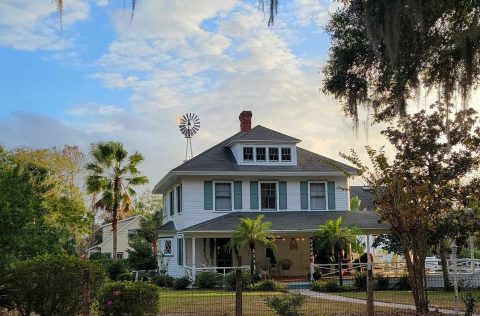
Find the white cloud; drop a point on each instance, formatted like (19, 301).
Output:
(95, 109)
(34, 24)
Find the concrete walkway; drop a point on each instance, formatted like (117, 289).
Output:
(338, 298)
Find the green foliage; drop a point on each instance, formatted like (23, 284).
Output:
(126, 276)
(208, 280)
(113, 174)
(141, 257)
(251, 232)
(330, 286)
(116, 268)
(129, 298)
(182, 283)
(51, 285)
(383, 282)
(470, 300)
(286, 305)
(164, 280)
(355, 203)
(230, 280)
(402, 284)
(384, 53)
(25, 231)
(98, 256)
(269, 285)
(360, 281)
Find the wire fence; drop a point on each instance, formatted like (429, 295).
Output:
(392, 296)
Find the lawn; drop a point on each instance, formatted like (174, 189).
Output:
(437, 298)
(203, 302)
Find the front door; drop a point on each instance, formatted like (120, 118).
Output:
(224, 255)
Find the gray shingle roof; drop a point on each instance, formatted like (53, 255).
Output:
(220, 158)
(365, 195)
(293, 220)
(261, 133)
(168, 227)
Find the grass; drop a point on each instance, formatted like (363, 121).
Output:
(439, 298)
(217, 302)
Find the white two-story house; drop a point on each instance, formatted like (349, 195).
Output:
(256, 171)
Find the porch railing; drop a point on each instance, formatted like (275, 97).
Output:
(192, 271)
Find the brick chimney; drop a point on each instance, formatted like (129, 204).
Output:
(245, 121)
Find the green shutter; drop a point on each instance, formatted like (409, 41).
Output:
(304, 195)
(331, 195)
(254, 195)
(237, 195)
(282, 195)
(207, 195)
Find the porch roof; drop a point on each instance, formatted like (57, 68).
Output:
(294, 221)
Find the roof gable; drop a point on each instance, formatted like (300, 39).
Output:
(262, 134)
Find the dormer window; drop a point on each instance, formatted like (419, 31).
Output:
(286, 154)
(247, 153)
(261, 153)
(273, 154)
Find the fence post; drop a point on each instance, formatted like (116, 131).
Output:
(86, 292)
(238, 292)
(370, 306)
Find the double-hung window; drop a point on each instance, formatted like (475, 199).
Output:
(286, 154)
(179, 199)
(268, 196)
(247, 153)
(273, 154)
(172, 202)
(261, 153)
(318, 196)
(223, 196)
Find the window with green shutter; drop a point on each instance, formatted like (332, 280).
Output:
(237, 195)
(254, 195)
(331, 195)
(207, 195)
(282, 195)
(304, 195)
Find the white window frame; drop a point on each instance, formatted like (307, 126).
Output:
(215, 197)
(310, 197)
(260, 196)
(253, 154)
(266, 153)
(281, 154)
(163, 241)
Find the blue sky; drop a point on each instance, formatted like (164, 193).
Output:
(104, 78)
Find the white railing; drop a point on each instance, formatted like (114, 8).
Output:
(397, 268)
(192, 271)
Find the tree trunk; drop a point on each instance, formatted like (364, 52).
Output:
(443, 251)
(116, 202)
(340, 274)
(155, 252)
(252, 263)
(415, 260)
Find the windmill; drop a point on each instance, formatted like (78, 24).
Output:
(189, 126)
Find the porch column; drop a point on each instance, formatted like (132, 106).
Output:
(194, 269)
(312, 260)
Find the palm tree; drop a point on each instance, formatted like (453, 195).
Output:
(113, 173)
(332, 237)
(250, 232)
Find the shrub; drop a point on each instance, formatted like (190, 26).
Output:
(383, 282)
(141, 257)
(269, 285)
(127, 276)
(208, 280)
(470, 300)
(402, 284)
(116, 268)
(286, 305)
(230, 281)
(98, 256)
(129, 298)
(164, 280)
(325, 286)
(181, 283)
(33, 283)
(360, 281)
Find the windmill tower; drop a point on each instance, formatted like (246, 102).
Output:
(189, 126)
